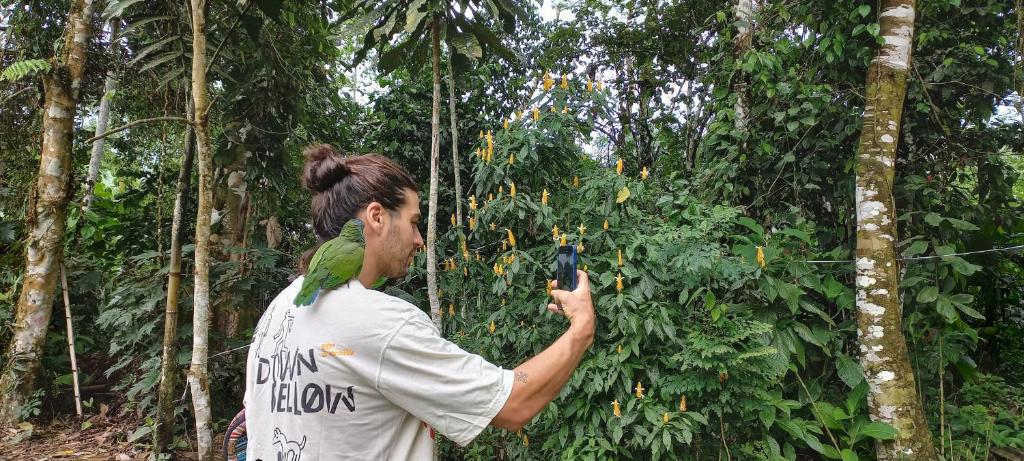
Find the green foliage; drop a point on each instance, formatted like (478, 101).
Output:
(21, 69)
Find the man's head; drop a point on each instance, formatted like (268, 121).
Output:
(373, 189)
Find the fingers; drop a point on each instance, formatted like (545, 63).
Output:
(582, 280)
(554, 309)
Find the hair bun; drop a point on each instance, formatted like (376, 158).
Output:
(324, 167)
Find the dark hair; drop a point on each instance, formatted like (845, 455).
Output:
(342, 186)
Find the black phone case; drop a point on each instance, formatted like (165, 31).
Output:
(565, 267)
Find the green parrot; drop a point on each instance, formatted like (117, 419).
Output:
(335, 263)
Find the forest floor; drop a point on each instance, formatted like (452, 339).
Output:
(103, 439)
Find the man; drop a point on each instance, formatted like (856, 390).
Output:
(363, 375)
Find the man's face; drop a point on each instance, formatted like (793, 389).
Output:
(402, 237)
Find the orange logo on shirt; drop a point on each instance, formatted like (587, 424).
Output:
(328, 349)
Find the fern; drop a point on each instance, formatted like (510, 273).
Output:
(21, 69)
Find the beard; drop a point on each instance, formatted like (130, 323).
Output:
(397, 257)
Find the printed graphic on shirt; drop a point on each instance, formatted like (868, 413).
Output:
(282, 370)
(288, 450)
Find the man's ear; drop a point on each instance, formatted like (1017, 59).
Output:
(374, 221)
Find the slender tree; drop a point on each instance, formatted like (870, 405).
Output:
(45, 219)
(164, 429)
(103, 116)
(198, 379)
(435, 159)
(742, 43)
(893, 396)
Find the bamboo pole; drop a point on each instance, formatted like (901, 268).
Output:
(71, 339)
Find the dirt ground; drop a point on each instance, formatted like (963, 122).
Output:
(104, 438)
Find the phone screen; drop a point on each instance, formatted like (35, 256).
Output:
(565, 267)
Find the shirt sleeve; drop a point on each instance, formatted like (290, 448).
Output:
(454, 391)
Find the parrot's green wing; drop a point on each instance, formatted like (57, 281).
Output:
(343, 265)
(319, 271)
(380, 282)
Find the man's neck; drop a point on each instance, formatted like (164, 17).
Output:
(368, 277)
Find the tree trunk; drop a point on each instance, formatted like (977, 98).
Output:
(435, 159)
(102, 118)
(232, 196)
(455, 139)
(198, 378)
(741, 44)
(45, 218)
(164, 430)
(1019, 68)
(893, 396)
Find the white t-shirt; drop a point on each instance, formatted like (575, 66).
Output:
(361, 375)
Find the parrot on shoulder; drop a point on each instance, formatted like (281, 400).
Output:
(335, 263)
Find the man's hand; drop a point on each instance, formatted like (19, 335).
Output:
(575, 305)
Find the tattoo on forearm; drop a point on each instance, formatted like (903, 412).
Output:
(521, 377)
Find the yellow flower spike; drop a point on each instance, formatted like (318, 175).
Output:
(472, 223)
(618, 283)
(451, 310)
(544, 197)
(511, 158)
(490, 196)
(501, 190)
(453, 219)
(492, 327)
(554, 231)
(639, 390)
(664, 418)
(479, 153)
(548, 81)
(565, 82)
(723, 376)
(512, 190)
(526, 440)
(600, 86)
(565, 109)
(548, 283)
(536, 114)
(519, 115)
(682, 404)
(564, 240)
(585, 269)
(504, 124)
(590, 86)
(583, 229)
(493, 227)
(511, 238)
(618, 167)
(553, 108)
(605, 225)
(644, 174)
(472, 202)
(502, 300)
(504, 244)
(619, 349)
(579, 247)
(576, 182)
(481, 134)
(620, 256)
(615, 408)
(465, 272)
(760, 256)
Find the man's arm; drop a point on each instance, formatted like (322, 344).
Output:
(539, 380)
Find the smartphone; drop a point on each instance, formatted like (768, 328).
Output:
(565, 267)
